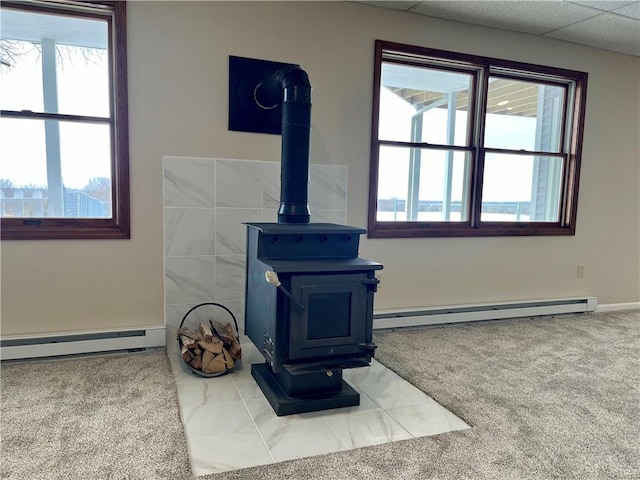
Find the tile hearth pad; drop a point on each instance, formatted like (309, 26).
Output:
(229, 423)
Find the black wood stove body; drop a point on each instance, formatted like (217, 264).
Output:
(308, 296)
(317, 322)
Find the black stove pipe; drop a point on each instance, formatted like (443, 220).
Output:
(290, 85)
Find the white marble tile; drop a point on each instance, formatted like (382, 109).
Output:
(427, 419)
(237, 309)
(230, 273)
(182, 373)
(366, 404)
(190, 279)
(329, 216)
(270, 215)
(189, 182)
(355, 376)
(250, 355)
(247, 386)
(328, 187)
(229, 416)
(173, 315)
(238, 184)
(264, 416)
(208, 391)
(256, 435)
(289, 438)
(171, 342)
(189, 231)
(231, 233)
(369, 427)
(388, 390)
(270, 185)
(228, 451)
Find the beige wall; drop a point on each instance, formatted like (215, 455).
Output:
(178, 54)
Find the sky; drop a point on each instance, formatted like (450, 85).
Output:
(82, 90)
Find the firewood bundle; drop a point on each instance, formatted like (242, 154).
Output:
(211, 351)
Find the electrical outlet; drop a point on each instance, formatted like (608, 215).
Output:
(580, 271)
(379, 277)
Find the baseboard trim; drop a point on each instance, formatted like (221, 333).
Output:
(19, 347)
(616, 307)
(481, 312)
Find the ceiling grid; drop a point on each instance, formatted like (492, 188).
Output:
(609, 25)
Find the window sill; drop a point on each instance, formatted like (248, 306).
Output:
(425, 230)
(63, 229)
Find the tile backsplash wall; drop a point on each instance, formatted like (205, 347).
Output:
(206, 201)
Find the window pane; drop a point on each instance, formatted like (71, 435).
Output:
(523, 116)
(521, 188)
(424, 105)
(44, 161)
(422, 185)
(56, 64)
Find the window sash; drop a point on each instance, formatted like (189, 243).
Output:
(118, 226)
(569, 143)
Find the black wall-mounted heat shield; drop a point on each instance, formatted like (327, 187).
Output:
(245, 113)
(273, 97)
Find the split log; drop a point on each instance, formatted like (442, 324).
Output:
(188, 341)
(228, 360)
(206, 359)
(211, 347)
(187, 355)
(228, 335)
(196, 362)
(205, 332)
(216, 365)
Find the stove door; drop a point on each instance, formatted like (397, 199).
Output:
(336, 318)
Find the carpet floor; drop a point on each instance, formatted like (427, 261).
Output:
(111, 417)
(547, 398)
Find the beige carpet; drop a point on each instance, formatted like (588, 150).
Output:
(547, 398)
(112, 417)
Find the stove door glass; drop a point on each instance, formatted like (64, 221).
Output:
(329, 315)
(335, 318)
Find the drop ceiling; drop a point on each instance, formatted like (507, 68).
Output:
(609, 25)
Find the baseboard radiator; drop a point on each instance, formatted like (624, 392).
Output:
(471, 313)
(34, 346)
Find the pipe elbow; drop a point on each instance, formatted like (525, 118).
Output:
(293, 76)
(287, 78)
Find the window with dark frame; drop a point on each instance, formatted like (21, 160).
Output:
(64, 167)
(464, 145)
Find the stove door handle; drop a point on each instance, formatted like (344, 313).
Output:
(272, 278)
(292, 299)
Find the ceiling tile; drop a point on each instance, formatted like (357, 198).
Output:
(523, 16)
(630, 10)
(607, 31)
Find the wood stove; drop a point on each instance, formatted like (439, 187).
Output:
(317, 322)
(308, 296)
